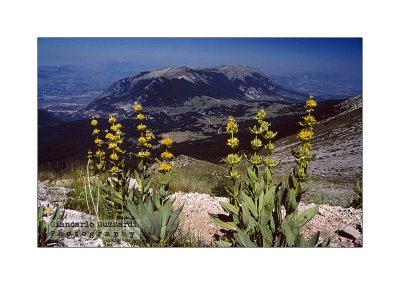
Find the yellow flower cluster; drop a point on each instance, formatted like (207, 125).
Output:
(310, 104)
(143, 154)
(232, 126)
(137, 107)
(261, 115)
(112, 119)
(141, 127)
(164, 167)
(305, 135)
(167, 155)
(256, 143)
(233, 142)
(166, 141)
(114, 156)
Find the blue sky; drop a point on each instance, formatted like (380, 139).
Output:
(273, 55)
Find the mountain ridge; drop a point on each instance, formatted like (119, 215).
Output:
(175, 85)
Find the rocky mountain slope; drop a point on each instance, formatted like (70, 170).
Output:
(338, 148)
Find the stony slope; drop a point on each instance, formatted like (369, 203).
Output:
(338, 148)
(343, 224)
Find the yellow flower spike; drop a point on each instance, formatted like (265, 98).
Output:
(141, 127)
(140, 116)
(164, 167)
(112, 119)
(114, 156)
(118, 132)
(167, 155)
(167, 141)
(96, 131)
(232, 126)
(148, 145)
(93, 122)
(233, 142)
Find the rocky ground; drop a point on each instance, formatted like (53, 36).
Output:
(344, 224)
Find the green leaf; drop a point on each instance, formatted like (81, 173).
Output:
(219, 222)
(306, 216)
(252, 175)
(223, 243)
(229, 208)
(248, 202)
(312, 242)
(287, 227)
(244, 239)
(326, 241)
(266, 234)
(267, 175)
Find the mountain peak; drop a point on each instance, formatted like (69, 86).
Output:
(238, 71)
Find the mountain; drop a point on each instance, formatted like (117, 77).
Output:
(177, 85)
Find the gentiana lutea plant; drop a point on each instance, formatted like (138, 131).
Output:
(254, 212)
(156, 222)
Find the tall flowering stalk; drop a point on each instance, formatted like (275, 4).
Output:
(165, 166)
(116, 166)
(114, 137)
(302, 154)
(141, 174)
(232, 159)
(99, 154)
